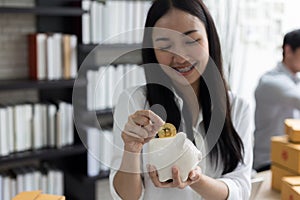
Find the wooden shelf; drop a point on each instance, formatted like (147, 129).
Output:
(44, 11)
(104, 112)
(33, 84)
(46, 153)
(105, 54)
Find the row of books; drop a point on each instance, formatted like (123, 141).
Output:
(52, 56)
(105, 85)
(49, 179)
(104, 22)
(100, 147)
(33, 126)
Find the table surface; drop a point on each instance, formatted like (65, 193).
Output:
(265, 192)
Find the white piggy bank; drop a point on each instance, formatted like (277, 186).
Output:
(164, 153)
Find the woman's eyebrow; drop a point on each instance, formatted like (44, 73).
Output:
(162, 39)
(189, 32)
(183, 34)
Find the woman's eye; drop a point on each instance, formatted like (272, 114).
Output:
(192, 41)
(165, 48)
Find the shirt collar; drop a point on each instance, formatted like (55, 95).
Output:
(283, 68)
(179, 103)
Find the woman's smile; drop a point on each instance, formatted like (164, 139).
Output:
(185, 70)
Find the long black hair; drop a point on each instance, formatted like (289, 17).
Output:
(228, 145)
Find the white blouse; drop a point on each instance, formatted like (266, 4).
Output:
(238, 181)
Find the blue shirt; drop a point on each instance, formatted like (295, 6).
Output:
(277, 98)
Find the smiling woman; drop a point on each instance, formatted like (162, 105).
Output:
(181, 44)
(183, 66)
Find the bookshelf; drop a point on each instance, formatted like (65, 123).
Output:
(36, 84)
(65, 16)
(44, 11)
(45, 154)
(50, 16)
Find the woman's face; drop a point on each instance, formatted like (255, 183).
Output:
(181, 46)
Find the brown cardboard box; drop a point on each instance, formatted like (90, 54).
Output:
(37, 195)
(290, 188)
(278, 172)
(285, 153)
(292, 129)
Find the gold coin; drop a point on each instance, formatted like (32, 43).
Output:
(167, 130)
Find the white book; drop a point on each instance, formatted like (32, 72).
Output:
(101, 88)
(141, 76)
(106, 145)
(106, 23)
(93, 157)
(70, 125)
(28, 113)
(20, 180)
(64, 122)
(86, 18)
(27, 181)
(127, 75)
(133, 75)
(50, 58)
(51, 181)
(41, 56)
(114, 7)
(99, 26)
(36, 179)
(13, 187)
(110, 85)
(43, 121)
(44, 183)
(58, 136)
(37, 127)
(73, 62)
(4, 140)
(119, 85)
(10, 128)
(94, 22)
(51, 111)
(58, 179)
(122, 21)
(130, 15)
(19, 128)
(1, 186)
(61, 125)
(90, 85)
(6, 188)
(58, 59)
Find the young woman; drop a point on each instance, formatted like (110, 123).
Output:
(185, 87)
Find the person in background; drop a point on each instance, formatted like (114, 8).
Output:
(183, 66)
(277, 98)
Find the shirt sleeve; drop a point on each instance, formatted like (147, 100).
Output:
(127, 104)
(279, 89)
(239, 180)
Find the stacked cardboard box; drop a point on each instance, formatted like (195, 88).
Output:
(290, 188)
(37, 195)
(285, 154)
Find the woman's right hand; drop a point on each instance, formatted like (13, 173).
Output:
(140, 128)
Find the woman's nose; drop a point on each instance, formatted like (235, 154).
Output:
(177, 58)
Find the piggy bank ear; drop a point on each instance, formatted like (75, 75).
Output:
(180, 139)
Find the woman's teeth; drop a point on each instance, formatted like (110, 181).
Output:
(185, 69)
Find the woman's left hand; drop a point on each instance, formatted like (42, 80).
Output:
(194, 176)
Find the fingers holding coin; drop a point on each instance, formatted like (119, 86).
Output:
(144, 123)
